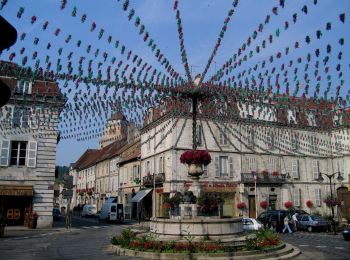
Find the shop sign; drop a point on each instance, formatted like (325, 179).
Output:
(16, 191)
(159, 190)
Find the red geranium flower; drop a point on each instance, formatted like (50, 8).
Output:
(309, 204)
(264, 204)
(196, 157)
(241, 205)
(288, 204)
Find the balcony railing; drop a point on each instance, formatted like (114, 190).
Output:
(147, 180)
(263, 178)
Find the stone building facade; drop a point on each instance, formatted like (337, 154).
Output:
(28, 141)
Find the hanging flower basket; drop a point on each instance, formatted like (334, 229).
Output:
(332, 202)
(276, 174)
(309, 204)
(241, 205)
(195, 157)
(265, 173)
(288, 204)
(264, 204)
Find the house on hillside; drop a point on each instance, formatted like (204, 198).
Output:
(28, 140)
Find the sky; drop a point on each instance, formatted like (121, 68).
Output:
(201, 20)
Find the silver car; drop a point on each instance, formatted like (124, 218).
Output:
(251, 224)
(311, 223)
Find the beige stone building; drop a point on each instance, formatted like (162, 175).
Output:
(28, 141)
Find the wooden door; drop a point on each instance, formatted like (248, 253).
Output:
(344, 196)
(252, 208)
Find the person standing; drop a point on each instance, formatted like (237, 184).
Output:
(286, 225)
(295, 220)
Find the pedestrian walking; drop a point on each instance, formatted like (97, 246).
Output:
(295, 221)
(286, 225)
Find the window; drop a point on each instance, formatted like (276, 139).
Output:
(205, 171)
(251, 164)
(24, 87)
(295, 142)
(21, 117)
(223, 137)
(199, 132)
(224, 166)
(161, 165)
(295, 169)
(148, 167)
(251, 137)
(296, 197)
(271, 139)
(318, 198)
(341, 167)
(135, 173)
(231, 167)
(18, 153)
(272, 164)
(316, 169)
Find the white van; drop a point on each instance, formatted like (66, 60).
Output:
(89, 210)
(112, 211)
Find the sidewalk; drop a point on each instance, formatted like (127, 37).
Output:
(22, 232)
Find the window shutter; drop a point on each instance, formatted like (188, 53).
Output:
(5, 153)
(318, 197)
(315, 169)
(221, 137)
(217, 168)
(231, 167)
(297, 197)
(31, 159)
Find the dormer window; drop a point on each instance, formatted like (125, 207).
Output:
(24, 87)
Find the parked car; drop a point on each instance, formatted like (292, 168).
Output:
(311, 223)
(346, 233)
(251, 224)
(89, 210)
(273, 217)
(56, 214)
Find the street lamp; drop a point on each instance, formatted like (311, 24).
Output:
(330, 177)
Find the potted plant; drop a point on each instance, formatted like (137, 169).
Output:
(241, 206)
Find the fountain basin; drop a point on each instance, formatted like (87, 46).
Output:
(199, 228)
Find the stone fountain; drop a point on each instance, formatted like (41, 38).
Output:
(189, 222)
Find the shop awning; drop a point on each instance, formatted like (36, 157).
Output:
(140, 195)
(16, 190)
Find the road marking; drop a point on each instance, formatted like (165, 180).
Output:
(96, 227)
(303, 245)
(339, 247)
(321, 246)
(85, 227)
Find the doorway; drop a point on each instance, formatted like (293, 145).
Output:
(272, 202)
(252, 206)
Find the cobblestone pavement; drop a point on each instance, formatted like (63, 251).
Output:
(319, 246)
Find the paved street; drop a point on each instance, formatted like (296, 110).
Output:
(88, 239)
(319, 245)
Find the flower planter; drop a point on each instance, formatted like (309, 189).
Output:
(195, 169)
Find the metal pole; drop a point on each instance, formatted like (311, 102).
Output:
(194, 122)
(332, 207)
(256, 200)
